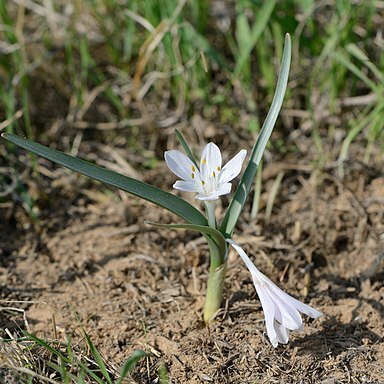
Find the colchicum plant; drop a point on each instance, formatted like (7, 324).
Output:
(210, 180)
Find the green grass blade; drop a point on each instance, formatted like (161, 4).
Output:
(186, 148)
(130, 364)
(347, 63)
(69, 347)
(259, 25)
(242, 191)
(65, 375)
(359, 54)
(272, 196)
(88, 372)
(162, 371)
(45, 345)
(138, 188)
(377, 112)
(99, 360)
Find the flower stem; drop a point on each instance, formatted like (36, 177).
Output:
(215, 281)
(210, 208)
(214, 292)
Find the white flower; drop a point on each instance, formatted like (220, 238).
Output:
(281, 310)
(211, 180)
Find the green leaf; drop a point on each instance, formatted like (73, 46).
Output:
(65, 375)
(186, 148)
(162, 371)
(99, 360)
(261, 21)
(233, 212)
(347, 63)
(360, 55)
(130, 364)
(138, 188)
(212, 232)
(45, 345)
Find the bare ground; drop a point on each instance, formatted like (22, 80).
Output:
(134, 286)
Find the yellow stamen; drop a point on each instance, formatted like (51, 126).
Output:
(213, 174)
(204, 161)
(202, 182)
(218, 168)
(193, 168)
(193, 175)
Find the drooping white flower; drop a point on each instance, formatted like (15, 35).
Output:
(211, 180)
(281, 311)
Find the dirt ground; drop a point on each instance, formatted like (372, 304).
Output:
(134, 286)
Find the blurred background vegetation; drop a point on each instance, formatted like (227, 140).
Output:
(109, 80)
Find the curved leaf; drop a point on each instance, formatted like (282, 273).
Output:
(130, 363)
(138, 188)
(186, 148)
(233, 212)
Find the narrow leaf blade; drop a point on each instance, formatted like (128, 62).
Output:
(259, 25)
(138, 188)
(233, 212)
(186, 148)
(99, 360)
(130, 364)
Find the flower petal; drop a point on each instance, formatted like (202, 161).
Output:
(186, 186)
(291, 301)
(244, 256)
(233, 167)
(204, 197)
(289, 316)
(280, 309)
(269, 314)
(180, 164)
(222, 190)
(282, 333)
(210, 160)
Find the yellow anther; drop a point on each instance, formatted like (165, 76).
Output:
(218, 168)
(193, 168)
(213, 174)
(204, 161)
(193, 175)
(202, 182)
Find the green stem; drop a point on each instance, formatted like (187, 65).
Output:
(214, 292)
(215, 281)
(210, 209)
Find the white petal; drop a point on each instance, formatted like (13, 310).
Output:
(289, 316)
(179, 164)
(204, 197)
(276, 291)
(280, 309)
(233, 167)
(224, 189)
(291, 301)
(282, 333)
(269, 314)
(186, 186)
(210, 160)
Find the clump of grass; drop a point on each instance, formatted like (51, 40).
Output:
(30, 359)
(14, 72)
(121, 65)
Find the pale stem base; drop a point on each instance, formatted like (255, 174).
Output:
(210, 209)
(214, 292)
